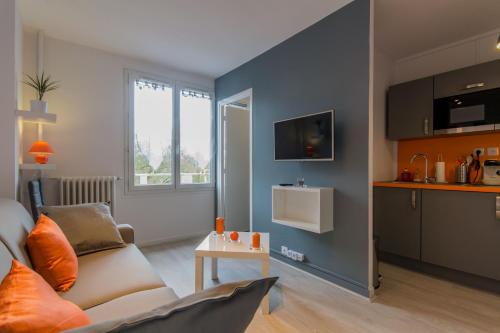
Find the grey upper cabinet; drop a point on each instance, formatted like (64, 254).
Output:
(471, 79)
(410, 109)
(396, 218)
(460, 231)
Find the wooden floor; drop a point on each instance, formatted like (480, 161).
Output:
(406, 301)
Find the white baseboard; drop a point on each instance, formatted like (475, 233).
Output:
(172, 239)
(323, 280)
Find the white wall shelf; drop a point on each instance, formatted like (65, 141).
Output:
(306, 208)
(36, 117)
(34, 166)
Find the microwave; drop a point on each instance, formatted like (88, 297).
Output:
(472, 112)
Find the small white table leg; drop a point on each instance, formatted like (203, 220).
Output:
(264, 305)
(215, 275)
(198, 280)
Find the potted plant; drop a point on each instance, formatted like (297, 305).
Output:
(42, 84)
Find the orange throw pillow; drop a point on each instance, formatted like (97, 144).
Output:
(52, 255)
(29, 304)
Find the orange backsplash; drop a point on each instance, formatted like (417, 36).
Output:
(451, 147)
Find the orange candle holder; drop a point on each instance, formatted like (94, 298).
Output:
(256, 240)
(219, 225)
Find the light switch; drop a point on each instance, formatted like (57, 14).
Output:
(492, 151)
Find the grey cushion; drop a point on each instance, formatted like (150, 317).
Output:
(227, 308)
(88, 227)
(132, 304)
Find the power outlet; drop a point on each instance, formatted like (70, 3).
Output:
(492, 151)
(294, 255)
(476, 149)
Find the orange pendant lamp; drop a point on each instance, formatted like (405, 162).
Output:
(42, 151)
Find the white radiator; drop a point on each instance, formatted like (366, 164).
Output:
(79, 190)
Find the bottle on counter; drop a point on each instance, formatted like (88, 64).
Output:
(461, 171)
(440, 169)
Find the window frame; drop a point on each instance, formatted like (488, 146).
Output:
(177, 86)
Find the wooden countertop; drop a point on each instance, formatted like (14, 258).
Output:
(440, 186)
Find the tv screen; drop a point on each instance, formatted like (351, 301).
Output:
(305, 138)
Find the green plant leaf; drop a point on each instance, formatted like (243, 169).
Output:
(42, 84)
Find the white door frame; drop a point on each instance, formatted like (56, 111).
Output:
(220, 152)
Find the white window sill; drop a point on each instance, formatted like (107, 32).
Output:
(173, 191)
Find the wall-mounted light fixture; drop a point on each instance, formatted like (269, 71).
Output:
(41, 150)
(498, 42)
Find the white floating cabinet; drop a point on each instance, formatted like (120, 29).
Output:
(306, 208)
(36, 117)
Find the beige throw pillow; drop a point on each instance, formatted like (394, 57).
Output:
(88, 227)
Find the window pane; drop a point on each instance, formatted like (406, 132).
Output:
(195, 137)
(152, 133)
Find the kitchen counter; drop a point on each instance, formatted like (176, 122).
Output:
(440, 186)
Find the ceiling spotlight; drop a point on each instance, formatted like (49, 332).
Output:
(498, 42)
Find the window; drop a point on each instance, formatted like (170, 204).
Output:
(170, 140)
(195, 109)
(153, 115)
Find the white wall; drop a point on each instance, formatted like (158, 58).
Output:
(468, 52)
(89, 137)
(10, 68)
(384, 151)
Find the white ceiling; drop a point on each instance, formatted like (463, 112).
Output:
(200, 36)
(407, 27)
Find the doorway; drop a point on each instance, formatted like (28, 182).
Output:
(234, 167)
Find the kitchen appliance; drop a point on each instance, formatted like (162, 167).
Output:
(469, 112)
(406, 176)
(307, 138)
(461, 173)
(491, 172)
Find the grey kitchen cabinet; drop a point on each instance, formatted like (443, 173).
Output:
(396, 218)
(460, 231)
(410, 109)
(470, 79)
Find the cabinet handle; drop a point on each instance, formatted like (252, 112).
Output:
(474, 85)
(497, 210)
(414, 200)
(426, 126)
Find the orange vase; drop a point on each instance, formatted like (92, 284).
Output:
(219, 225)
(256, 240)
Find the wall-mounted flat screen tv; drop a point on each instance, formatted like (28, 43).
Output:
(307, 138)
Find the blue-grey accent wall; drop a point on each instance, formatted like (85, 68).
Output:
(324, 66)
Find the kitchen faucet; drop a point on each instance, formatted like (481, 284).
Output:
(427, 179)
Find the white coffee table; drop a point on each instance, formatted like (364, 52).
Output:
(215, 246)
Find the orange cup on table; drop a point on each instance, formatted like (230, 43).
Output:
(256, 240)
(219, 225)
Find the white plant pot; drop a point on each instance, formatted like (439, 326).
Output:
(39, 106)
